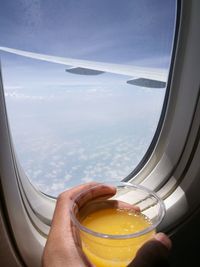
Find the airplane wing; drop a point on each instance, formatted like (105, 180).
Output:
(140, 76)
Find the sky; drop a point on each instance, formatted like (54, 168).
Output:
(68, 128)
(105, 30)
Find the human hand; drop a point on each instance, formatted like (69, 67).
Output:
(154, 253)
(63, 246)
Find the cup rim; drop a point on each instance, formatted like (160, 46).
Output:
(161, 213)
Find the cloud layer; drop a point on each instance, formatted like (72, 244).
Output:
(67, 135)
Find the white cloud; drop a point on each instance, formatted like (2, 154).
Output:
(12, 87)
(87, 179)
(54, 188)
(83, 157)
(67, 177)
(27, 97)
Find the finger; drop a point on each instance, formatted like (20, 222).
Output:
(63, 204)
(99, 191)
(164, 239)
(153, 253)
(73, 192)
(127, 206)
(86, 192)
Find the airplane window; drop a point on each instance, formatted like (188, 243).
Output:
(89, 110)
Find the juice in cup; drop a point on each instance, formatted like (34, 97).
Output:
(112, 229)
(114, 221)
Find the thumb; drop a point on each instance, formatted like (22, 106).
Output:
(153, 253)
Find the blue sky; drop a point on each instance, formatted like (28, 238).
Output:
(105, 30)
(71, 128)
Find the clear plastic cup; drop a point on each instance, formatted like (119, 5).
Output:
(111, 230)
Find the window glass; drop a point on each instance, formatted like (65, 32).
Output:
(72, 128)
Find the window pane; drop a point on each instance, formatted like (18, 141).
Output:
(70, 128)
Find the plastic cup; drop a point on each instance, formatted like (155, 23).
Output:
(112, 230)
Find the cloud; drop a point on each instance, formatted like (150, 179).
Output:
(19, 96)
(13, 87)
(87, 179)
(58, 152)
(67, 177)
(56, 187)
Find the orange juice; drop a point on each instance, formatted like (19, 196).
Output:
(108, 252)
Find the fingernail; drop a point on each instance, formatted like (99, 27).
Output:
(164, 239)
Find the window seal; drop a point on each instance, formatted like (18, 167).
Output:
(155, 138)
